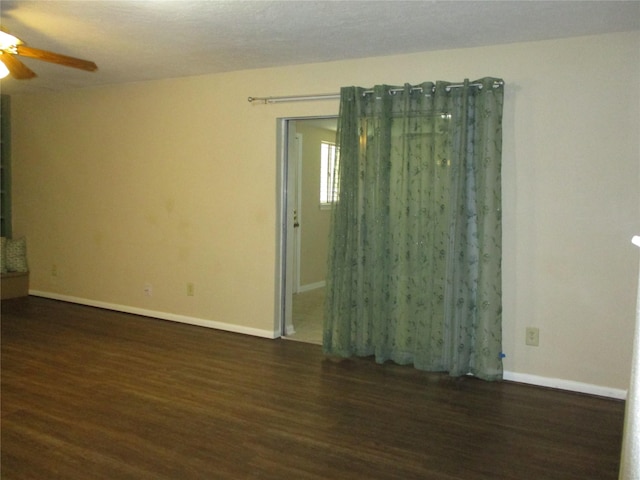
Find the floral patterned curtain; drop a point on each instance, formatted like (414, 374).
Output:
(415, 250)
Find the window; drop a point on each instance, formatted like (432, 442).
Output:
(329, 165)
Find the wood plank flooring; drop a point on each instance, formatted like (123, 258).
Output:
(94, 394)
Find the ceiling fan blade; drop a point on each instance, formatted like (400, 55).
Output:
(56, 58)
(16, 68)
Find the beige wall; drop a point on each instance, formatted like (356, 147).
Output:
(174, 181)
(314, 221)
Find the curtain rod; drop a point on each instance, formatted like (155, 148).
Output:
(335, 96)
(297, 98)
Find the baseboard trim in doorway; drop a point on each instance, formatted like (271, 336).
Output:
(200, 322)
(311, 286)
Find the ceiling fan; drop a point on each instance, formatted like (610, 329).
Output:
(11, 46)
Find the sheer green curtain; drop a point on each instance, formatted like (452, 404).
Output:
(415, 249)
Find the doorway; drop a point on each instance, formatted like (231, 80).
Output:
(303, 225)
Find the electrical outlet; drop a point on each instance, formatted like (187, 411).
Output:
(148, 290)
(190, 289)
(533, 336)
(54, 270)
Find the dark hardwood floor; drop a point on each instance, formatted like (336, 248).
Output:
(94, 394)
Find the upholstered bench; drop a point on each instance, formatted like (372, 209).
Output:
(14, 269)
(14, 285)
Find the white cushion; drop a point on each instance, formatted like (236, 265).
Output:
(16, 255)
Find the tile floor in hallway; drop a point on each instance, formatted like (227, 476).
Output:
(307, 314)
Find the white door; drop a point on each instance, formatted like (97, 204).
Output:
(295, 171)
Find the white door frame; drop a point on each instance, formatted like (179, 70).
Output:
(285, 240)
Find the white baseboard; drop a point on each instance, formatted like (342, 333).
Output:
(526, 378)
(561, 384)
(229, 327)
(311, 286)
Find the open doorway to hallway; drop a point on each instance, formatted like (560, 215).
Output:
(306, 229)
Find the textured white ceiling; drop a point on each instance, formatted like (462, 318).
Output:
(136, 40)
